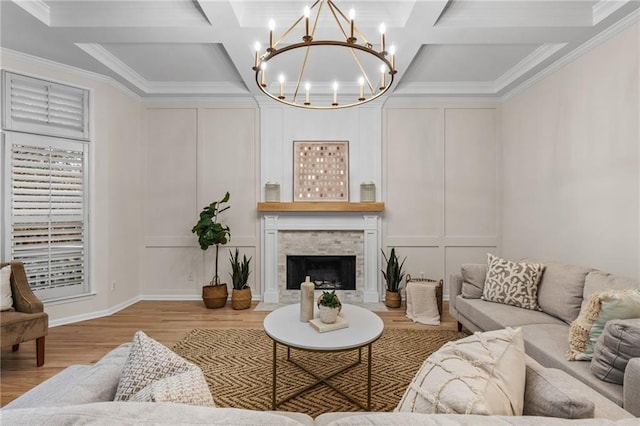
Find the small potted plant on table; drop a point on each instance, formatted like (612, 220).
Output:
(393, 276)
(329, 307)
(210, 232)
(241, 293)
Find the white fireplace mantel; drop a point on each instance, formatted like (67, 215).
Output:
(273, 222)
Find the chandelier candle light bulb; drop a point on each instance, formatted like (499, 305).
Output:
(361, 83)
(382, 79)
(335, 93)
(263, 67)
(258, 48)
(352, 17)
(383, 29)
(307, 88)
(281, 80)
(307, 13)
(272, 27)
(392, 54)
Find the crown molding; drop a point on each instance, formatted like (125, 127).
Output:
(446, 88)
(532, 60)
(246, 101)
(69, 69)
(109, 60)
(195, 88)
(610, 32)
(604, 8)
(37, 8)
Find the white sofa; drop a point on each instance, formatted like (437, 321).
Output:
(84, 394)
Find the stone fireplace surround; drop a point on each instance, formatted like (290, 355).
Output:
(316, 232)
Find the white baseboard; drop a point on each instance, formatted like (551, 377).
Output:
(94, 315)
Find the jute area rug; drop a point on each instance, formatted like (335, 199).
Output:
(237, 365)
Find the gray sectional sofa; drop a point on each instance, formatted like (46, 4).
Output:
(562, 291)
(84, 394)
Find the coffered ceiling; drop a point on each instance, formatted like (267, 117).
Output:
(471, 48)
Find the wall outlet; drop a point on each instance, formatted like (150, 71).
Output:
(190, 276)
(113, 285)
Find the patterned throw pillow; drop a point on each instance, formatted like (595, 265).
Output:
(185, 388)
(512, 283)
(148, 361)
(601, 307)
(480, 374)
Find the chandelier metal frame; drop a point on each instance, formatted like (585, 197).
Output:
(308, 42)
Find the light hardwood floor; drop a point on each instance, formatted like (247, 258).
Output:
(87, 341)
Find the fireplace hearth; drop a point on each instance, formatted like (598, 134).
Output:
(326, 272)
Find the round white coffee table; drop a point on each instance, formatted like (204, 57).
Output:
(283, 326)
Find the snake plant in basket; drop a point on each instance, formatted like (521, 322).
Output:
(393, 276)
(209, 233)
(241, 293)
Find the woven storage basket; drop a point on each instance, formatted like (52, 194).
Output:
(438, 288)
(241, 299)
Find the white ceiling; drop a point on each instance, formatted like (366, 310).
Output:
(473, 48)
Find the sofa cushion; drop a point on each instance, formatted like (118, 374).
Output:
(603, 306)
(598, 281)
(560, 289)
(189, 387)
(512, 283)
(148, 361)
(618, 343)
(551, 392)
(480, 374)
(6, 301)
(548, 343)
(473, 276)
(493, 316)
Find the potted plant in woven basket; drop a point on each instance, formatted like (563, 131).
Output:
(241, 293)
(210, 232)
(393, 276)
(329, 307)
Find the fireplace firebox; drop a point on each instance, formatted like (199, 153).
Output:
(326, 272)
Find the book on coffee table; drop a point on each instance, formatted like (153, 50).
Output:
(322, 327)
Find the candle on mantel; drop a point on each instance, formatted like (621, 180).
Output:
(382, 31)
(307, 88)
(335, 93)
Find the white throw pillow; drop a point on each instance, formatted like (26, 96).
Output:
(480, 374)
(6, 301)
(148, 362)
(185, 388)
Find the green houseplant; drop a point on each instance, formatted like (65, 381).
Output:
(393, 276)
(210, 232)
(241, 293)
(329, 307)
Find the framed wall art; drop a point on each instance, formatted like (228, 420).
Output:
(321, 171)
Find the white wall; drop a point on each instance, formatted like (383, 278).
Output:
(195, 153)
(441, 184)
(114, 181)
(571, 160)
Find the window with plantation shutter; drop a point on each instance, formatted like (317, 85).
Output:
(37, 106)
(45, 184)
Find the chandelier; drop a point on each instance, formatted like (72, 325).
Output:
(316, 68)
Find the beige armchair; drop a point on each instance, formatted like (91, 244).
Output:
(28, 321)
